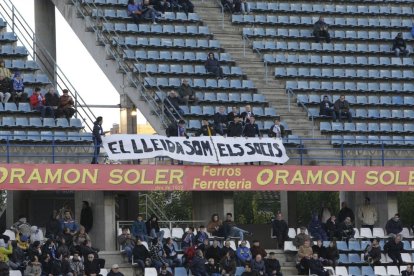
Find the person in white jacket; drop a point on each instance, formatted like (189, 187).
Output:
(367, 214)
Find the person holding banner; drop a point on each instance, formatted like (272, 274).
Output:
(251, 129)
(277, 130)
(97, 132)
(235, 127)
(234, 112)
(220, 121)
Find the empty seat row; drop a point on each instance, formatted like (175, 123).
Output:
(360, 100)
(360, 9)
(12, 107)
(314, 59)
(168, 42)
(37, 122)
(8, 36)
(18, 64)
(157, 29)
(183, 69)
(36, 136)
(13, 50)
(123, 14)
(200, 83)
(341, 86)
(224, 98)
(372, 140)
(367, 127)
(35, 79)
(174, 56)
(373, 113)
(197, 110)
(310, 21)
(107, 2)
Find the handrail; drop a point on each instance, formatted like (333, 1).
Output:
(290, 93)
(28, 39)
(222, 13)
(155, 209)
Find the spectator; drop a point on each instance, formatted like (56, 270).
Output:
(326, 108)
(140, 254)
(91, 266)
(47, 263)
(97, 132)
(139, 229)
(36, 234)
(52, 99)
(18, 257)
(164, 271)
(332, 254)
(372, 253)
(226, 248)
(186, 5)
(346, 229)
(316, 266)
(6, 249)
(251, 129)
(212, 268)
(394, 248)
(280, 230)
(138, 12)
(172, 105)
(18, 95)
(197, 265)
(257, 249)
(69, 223)
(215, 226)
(157, 254)
(228, 5)
(65, 265)
(35, 249)
(316, 230)
(342, 109)
(65, 106)
(80, 236)
(243, 253)
(320, 29)
(231, 230)
(212, 65)
(37, 101)
(127, 242)
(367, 214)
(22, 241)
(321, 250)
(53, 227)
(161, 5)
(408, 270)
(4, 71)
(394, 225)
(258, 265)
(177, 130)
(345, 212)
(201, 236)
(63, 249)
(206, 129)
(188, 238)
(272, 265)
(399, 46)
(248, 271)
(331, 228)
(324, 214)
(304, 255)
(234, 112)
(67, 235)
(300, 238)
(49, 247)
(214, 251)
(86, 217)
(220, 121)
(228, 264)
(277, 130)
(235, 128)
(115, 271)
(171, 253)
(241, 6)
(153, 228)
(5, 89)
(187, 93)
(33, 268)
(247, 113)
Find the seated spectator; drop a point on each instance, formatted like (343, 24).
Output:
(277, 130)
(234, 112)
(177, 130)
(394, 225)
(63, 249)
(345, 212)
(247, 113)
(258, 265)
(172, 105)
(331, 227)
(272, 265)
(157, 254)
(346, 229)
(186, 93)
(220, 121)
(408, 271)
(187, 239)
(215, 226)
(19, 96)
(226, 248)
(197, 265)
(69, 223)
(68, 236)
(65, 105)
(316, 266)
(153, 229)
(5, 89)
(342, 109)
(241, 6)
(326, 108)
(36, 234)
(394, 248)
(228, 264)
(140, 254)
(49, 247)
(319, 249)
(22, 241)
(231, 230)
(206, 129)
(186, 5)
(38, 102)
(212, 65)
(399, 46)
(6, 249)
(332, 254)
(65, 265)
(235, 128)
(372, 253)
(34, 267)
(251, 129)
(80, 236)
(214, 252)
(127, 242)
(171, 253)
(91, 266)
(320, 29)
(21, 226)
(201, 236)
(304, 255)
(316, 230)
(243, 253)
(139, 229)
(300, 238)
(280, 231)
(248, 271)
(257, 249)
(53, 226)
(52, 99)
(212, 268)
(164, 271)
(4, 71)
(161, 5)
(35, 249)
(139, 11)
(18, 257)
(115, 271)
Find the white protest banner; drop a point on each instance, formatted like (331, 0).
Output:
(204, 149)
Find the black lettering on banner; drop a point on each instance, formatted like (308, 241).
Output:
(222, 149)
(121, 146)
(262, 147)
(111, 147)
(171, 146)
(155, 144)
(180, 149)
(134, 146)
(269, 146)
(145, 147)
(188, 144)
(206, 148)
(278, 150)
(164, 145)
(240, 148)
(197, 148)
(257, 147)
(252, 151)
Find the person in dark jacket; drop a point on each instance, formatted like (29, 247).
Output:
(320, 29)
(319, 249)
(139, 229)
(399, 46)
(197, 265)
(316, 230)
(346, 229)
(171, 253)
(177, 130)
(394, 225)
(86, 218)
(186, 93)
(220, 121)
(332, 254)
(172, 105)
(256, 249)
(153, 228)
(247, 113)
(206, 129)
(342, 109)
(66, 105)
(345, 212)
(140, 254)
(258, 265)
(272, 265)
(115, 271)
(280, 230)
(5, 89)
(212, 65)
(251, 129)
(53, 228)
(408, 271)
(372, 253)
(331, 227)
(394, 248)
(326, 108)
(97, 132)
(187, 239)
(248, 271)
(316, 266)
(47, 264)
(234, 112)
(186, 5)
(228, 264)
(214, 251)
(235, 128)
(91, 265)
(52, 99)
(277, 130)
(212, 268)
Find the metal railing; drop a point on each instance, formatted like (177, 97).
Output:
(310, 115)
(150, 207)
(170, 224)
(38, 52)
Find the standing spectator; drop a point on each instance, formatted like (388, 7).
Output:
(277, 130)
(206, 129)
(231, 230)
(215, 226)
(234, 112)
(214, 251)
(247, 113)
(280, 230)
(171, 253)
(326, 108)
(258, 265)
(272, 265)
(186, 93)
(212, 268)
(97, 132)
(172, 105)
(243, 253)
(345, 212)
(257, 249)
(53, 228)
(316, 266)
(38, 103)
(251, 129)
(115, 271)
(139, 229)
(65, 106)
(346, 229)
(140, 254)
(408, 270)
(153, 229)
(320, 29)
(197, 265)
(220, 121)
(372, 253)
(91, 266)
(394, 225)
(304, 255)
(316, 230)
(331, 227)
(342, 109)
(86, 218)
(4, 71)
(69, 223)
(212, 65)
(127, 242)
(228, 264)
(394, 247)
(332, 253)
(235, 128)
(399, 46)
(300, 238)
(52, 99)
(5, 89)
(19, 95)
(367, 214)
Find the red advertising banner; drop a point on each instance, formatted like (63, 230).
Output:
(204, 178)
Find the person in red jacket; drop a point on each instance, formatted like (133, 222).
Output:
(37, 102)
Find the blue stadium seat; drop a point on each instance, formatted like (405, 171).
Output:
(10, 107)
(49, 122)
(46, 136)
(343, 259)
(234, 97)
(8, 122)
(325, 127)
(385, 127)
(397, 114)
(76, 123)
(22, 122)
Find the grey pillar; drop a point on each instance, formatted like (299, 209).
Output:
(128, 121)
(45, 30)
(217, 202)
(17, 204)
(292, 212)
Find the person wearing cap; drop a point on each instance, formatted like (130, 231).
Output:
(273, 265)
(97, 132)
(212, 65)
(38, 102)
(186, 93)
(5, 89)
(86, 217)
(326, 108)
(394, 225)
(367, 214)
(115, 271)
(399, 46)
(301, 237)
(65, 105)
(18, 95)
(372, 253)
